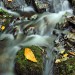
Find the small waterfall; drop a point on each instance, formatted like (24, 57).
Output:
(65, 5)
(60, 5)
(1, 4)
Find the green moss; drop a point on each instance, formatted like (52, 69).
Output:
(66, 67)
(28, 67)
(70, 64)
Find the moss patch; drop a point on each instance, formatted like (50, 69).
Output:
(26, 67)
(65, 68)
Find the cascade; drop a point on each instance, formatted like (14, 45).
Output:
(44, 25)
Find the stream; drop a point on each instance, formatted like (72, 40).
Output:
(44, 26)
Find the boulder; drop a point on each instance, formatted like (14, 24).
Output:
(27, 67)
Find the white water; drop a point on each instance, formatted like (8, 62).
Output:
(44, 26)
(60, 5)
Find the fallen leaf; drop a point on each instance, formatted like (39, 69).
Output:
(2, 27)
(29, 55)
(65, 55)
(57, 61)
(64, 58)
(9, 0)
(72, 53)
(62, 51)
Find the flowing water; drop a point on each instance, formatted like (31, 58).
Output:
(60, 5)
(45, 25)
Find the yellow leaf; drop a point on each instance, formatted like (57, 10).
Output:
(64, 58)
(65, 55)
(57, 61)
(2, 27)
(29, 55)
(62, 51)
(9, 0)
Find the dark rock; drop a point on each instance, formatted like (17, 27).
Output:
(26, 67)
(71, 21)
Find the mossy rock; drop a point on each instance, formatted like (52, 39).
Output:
(65, 68)
(70, 64)
(27, 67)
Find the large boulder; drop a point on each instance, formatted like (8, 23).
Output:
(27, 67)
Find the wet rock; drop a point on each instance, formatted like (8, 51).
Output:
(65, 68)
(71, 19)
(67, 41)
(69, 23)
(14, 4)
(26, 67)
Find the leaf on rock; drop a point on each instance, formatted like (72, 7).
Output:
(2, 27)
(57, 61)
(9, 0)
(65, 55)
(62, 51)
(29, 55)
(64, 58)
(72, 53)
